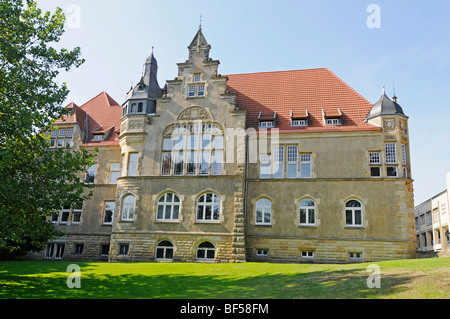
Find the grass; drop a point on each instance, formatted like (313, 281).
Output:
(406, 279)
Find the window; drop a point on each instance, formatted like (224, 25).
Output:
(104, 250)
(123, 249)
(168, 207)
(164, 250)
(262, 252)
(374, 158)
(114, 172)
(355, 256)
(278, 162)
(206, 250)
(108, 214)
(266, 124)
(307, 212)
(375, 171)
(292, 161)
(307, 254)
(69, 132)
(263, 214)
(128, 208)
(264, 168)
(390, 153)
(62, 132)
(299, 123)
(305, 165)
(404, 159)
(196, 90)
(78, 249)
(194, 150)
(166, 163)
(132, 164)
(76, 213)
(336, 121)
(391, 171)
(65, 215)
(353, 213)
(208, 207)
(90, 174)
(201, 90)
(53, 250)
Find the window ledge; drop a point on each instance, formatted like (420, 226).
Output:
(354, 227)
(167, 221)
(215, 222)
(307, 226)
(263, 225)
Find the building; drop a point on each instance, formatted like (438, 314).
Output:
(275, 166)
(432, 223)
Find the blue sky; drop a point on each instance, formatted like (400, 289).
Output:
(411, 49)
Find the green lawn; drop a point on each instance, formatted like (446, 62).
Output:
(415, 278)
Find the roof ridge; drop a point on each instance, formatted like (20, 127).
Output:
(279, 71)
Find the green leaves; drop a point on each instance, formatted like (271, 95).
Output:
(35, 181)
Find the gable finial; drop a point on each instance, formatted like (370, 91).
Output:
(200, 26)
(383, 91)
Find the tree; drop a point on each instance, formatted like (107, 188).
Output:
(35, 181)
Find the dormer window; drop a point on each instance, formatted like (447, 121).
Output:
(267, 120)
(99, 137)
(332, 118)
(299, 120)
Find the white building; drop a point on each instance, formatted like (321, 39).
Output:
(432, 222)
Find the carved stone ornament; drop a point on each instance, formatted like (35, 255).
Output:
(194, 113)
(168, 130)
(389, 125)
(403, 127)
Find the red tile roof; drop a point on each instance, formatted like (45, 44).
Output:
(103, 114)
(311, 90)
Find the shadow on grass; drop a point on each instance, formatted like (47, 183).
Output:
(316, 284)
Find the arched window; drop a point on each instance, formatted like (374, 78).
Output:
(263, 215)
(128, 207)
(164, 250)
(140, 107)
(353, 213)
(168, 207)
(307, 212)
(206, 250)
(208, 207)
(133, 108)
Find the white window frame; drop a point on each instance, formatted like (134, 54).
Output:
(333, 121)
(278, 161)
(264, 166)
(262, 252)
(267, 124)
(299, 123)
(390, 150)
(265, 210)
(354, 256)
(374, 158)
(307, 254)
(404, 154)
(165, 249)
(91, 173)
(353, 211)
(128, 207)
(306, 162)
(202, 205)
(309, 211)
(114, 172)
(291, 160)
(395, 169)
(133, 159)
(205, 250)
(163, 205)
(109, 206)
